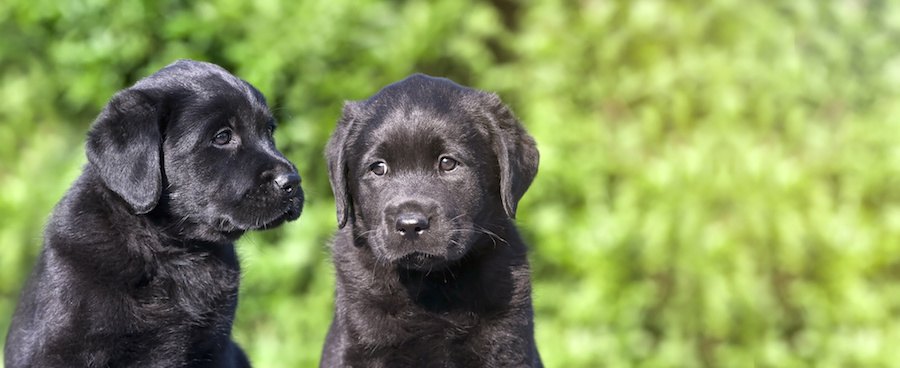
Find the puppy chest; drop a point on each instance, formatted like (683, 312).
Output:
(197, 294)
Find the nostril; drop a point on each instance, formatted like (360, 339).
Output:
(287, 182)
(411, 224)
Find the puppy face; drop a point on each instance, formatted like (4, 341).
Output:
(422, 170)
(420, 185)
(194, 144)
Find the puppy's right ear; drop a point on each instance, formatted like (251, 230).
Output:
(124, 145)
(338, 171)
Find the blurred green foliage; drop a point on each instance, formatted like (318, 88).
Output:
(719, 185)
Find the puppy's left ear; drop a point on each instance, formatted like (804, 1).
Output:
(124, 145)
(516, 152)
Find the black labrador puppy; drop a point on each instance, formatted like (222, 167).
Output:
(138, 267)
(431, 271)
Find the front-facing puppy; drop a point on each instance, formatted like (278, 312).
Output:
(430, 268)
(138, 267)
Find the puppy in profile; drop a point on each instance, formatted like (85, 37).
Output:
(138, 267)
(431, 271)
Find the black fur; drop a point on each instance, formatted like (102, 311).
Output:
(138, 267)
(431, 271)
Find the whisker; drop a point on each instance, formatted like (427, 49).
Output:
(480, 230)
(364, 234)
(452, 275)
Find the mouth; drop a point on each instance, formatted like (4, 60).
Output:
(289, 210)
(291, 214)
(420, 261)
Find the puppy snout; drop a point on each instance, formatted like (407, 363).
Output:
(287, 182)
(411, 224)
(284, 180)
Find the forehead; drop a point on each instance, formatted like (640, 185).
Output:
(414, 130)
(224, 104)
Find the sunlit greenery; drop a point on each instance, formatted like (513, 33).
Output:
(719, 182)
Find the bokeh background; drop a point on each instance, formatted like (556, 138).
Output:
(719, 182)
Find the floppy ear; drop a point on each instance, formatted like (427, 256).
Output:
(337, 163)
(124, 145)
(515, 150)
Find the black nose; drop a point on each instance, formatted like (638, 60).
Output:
(287, 182)
(411, 224)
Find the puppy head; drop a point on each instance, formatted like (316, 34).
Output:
(424, 168)
(193, 144)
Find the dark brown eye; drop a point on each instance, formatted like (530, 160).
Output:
(223, 137)
(447, 164)
(378, 168)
